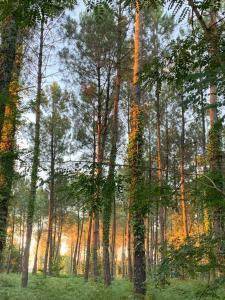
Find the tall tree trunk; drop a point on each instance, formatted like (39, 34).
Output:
(159, 165)
(182, 181)
(148, 258)
(135, 149)
(90, 225)
(9, 32)
(35, 162)
(10, 65)
(97, 181)
(110, 184)
(49, 244)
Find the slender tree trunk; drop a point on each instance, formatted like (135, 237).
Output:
(148, 265)
(23, 237)
(97, 181)
(35, 163)
(156, 225)
(182, 181)
(88, 251)
(49, 244)
(57, 245)
(90, 225)
(11, 241)
(130, 264)
(76, 246)
(159, 166)
(151, 258)
(39, 233)
(135, 149)
(123, 253)
(95, 244)
(113, 242)
(80, 240)
(110, 190)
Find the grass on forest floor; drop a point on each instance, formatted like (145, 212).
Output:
(71, 288)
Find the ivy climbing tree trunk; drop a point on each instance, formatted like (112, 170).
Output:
(135, 149)
(9, 32)
(35, 162)
(9, 88)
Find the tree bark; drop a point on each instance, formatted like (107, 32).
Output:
(49, 244)
(130, 264)
(10, 66)
(110, 184)
(39, 233)
(76, 246)
(135, 149)
(35, 162)
(9, 32)
(88, 251)
(113, 241)
(80, 240)
(11, 242)
(182, 180)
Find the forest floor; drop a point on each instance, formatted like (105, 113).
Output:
(70, 288)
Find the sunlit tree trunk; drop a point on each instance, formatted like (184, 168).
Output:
(35, 162)
(135, 149)
(10, 64)
(9, 32)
